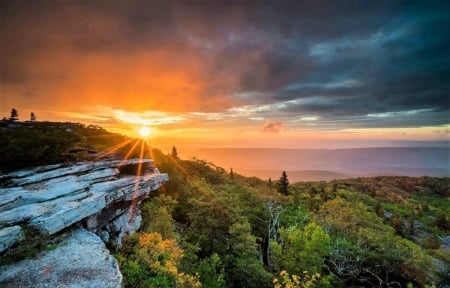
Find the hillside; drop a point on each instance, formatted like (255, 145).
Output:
(238, 231)
(208, 227)
(28, 144)
(295, 176)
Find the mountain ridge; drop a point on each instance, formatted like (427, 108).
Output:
(354, 162)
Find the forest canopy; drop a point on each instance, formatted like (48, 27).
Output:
(208, 227)
(237, 231)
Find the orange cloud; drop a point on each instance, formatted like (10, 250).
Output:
(69, 57)
(272, 127)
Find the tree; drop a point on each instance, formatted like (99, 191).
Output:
(275, 211)
(174, 152)
(150, 261)
(231, 174)
(282, 184)
(14, 115)
(442, 222)
(365, 250)
(157, 216)
(243, 263)
(301, 249)
(312, 192)
(32, 117)
(378, 208)
(410, 224)
(396, 222)
(270, 185)
(285, 280)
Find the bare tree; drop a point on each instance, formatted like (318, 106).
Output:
(275, 211)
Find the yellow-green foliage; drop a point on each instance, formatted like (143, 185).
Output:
(301, 249)
(148, 260)
(328, 228)
(285, 280)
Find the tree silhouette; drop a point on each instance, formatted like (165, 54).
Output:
(282, 184)
(14, 114)
(174, 152)
(231, 173)
(32, 117)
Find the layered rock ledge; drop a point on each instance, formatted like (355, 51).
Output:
(101, 198)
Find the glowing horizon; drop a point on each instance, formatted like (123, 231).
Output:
(294, 77)
(195, 130)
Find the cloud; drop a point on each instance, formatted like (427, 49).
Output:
(272, 127)
(335, 61)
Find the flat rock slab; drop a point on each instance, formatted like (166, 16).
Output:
(81, 260)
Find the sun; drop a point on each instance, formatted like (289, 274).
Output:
(144, 131)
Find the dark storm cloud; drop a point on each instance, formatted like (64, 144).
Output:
(345, 59)
(401, 65)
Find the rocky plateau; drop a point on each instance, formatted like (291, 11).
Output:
(77, 207)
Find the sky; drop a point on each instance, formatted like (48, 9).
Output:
(295, 74)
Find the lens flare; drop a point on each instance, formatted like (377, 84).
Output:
(144, 131)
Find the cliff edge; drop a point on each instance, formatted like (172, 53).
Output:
(75, 208)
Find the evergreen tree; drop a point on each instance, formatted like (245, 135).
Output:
(32, 117)
(282, 184)
(378, 208)
(270, 185)
(231, 173)
(14, 114)
(396, 222)
(174, 152)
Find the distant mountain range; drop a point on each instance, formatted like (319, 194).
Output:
(295, 176)
(328, 164)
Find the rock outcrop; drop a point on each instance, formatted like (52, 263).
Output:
(95, 198)
(81, 260)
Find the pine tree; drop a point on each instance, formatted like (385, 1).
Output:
(14, 114)
(231, 173)
(32, 117)
(174, 152)
(282, 184)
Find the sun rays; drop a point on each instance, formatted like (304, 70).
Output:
(138, 148)
(144, 151)
(114, 149)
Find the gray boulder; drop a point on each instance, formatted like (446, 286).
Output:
(103, 197)
(80, 260)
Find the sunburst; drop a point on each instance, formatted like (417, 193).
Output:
(144, 131)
